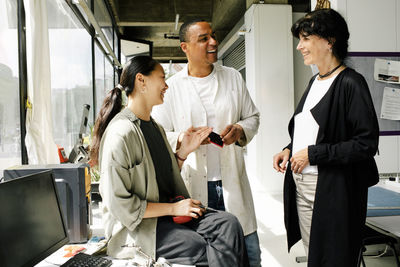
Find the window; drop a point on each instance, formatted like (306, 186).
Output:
(103, 18)
(10, 128)
(100, 86)
(71, 73)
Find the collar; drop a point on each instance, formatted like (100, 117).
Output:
(185, 70)
(300, 105)
(127, 113)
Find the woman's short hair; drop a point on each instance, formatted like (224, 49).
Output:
(327, 24)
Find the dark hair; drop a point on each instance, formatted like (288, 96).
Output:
(327, 24)
(112, 103)
(185, 27)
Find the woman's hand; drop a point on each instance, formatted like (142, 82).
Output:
(300, 160)
(192, 139)
(188, 207)
(280, 160)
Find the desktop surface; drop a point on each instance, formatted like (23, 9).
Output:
(383, 207)
(390, 224)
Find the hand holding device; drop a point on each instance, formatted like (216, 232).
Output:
(180, 219)
(280, 160)
(216, 139)
(195, 210)
(232, 133)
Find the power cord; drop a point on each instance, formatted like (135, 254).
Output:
(379, 255)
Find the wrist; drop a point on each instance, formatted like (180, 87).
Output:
(179, 140)
(172, 209)
(181, 158)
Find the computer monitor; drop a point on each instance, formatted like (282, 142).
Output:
(74, 193)
(31, 221)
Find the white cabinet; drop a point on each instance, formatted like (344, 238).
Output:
(269, 77)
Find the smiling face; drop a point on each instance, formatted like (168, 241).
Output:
(155, 86)
(314, 49)
(201, 46)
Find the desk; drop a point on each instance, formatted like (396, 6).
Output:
(96, 229)
(57, 259)
(389, 224)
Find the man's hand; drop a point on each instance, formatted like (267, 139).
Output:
(300, 160)
(280, 160)
(232, 133)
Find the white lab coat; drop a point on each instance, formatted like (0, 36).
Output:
(183, 108)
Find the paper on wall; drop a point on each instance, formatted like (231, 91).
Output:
(390, 104)
(387, 71)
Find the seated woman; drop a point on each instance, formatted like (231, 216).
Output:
(140, 175)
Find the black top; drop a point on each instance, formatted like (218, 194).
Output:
(161, 160)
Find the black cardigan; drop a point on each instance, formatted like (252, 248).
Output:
(346, 143)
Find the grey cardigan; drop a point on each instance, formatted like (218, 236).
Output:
(128, 182)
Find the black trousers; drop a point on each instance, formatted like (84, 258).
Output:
(215, 239)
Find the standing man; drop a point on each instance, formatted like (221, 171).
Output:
(204, 93)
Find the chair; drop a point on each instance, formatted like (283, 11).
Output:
(373, 237)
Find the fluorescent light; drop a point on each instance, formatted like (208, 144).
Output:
(176, 21)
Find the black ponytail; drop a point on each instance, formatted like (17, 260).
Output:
(112, 104)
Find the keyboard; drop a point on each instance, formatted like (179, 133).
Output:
(85, 260)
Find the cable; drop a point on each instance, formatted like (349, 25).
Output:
(379, 255)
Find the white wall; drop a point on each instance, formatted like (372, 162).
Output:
(302, 73)
(269, 76)
(374, 27)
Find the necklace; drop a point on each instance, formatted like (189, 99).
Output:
(329, 72)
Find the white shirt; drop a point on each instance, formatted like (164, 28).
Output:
(206, 87)
(305, 127)
(183, 108)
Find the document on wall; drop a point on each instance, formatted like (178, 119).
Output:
(387, 71)
(390, 104)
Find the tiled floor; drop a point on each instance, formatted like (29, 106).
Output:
(271, 230)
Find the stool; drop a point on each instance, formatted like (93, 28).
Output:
(373, 237)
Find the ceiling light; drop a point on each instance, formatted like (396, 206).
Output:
(176, 21)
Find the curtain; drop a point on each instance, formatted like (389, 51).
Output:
(39, 129)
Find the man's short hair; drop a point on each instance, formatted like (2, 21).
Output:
(184, 28)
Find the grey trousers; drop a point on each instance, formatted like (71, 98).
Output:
(305, 194)
(215, 239)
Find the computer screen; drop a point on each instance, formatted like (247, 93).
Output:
(31, 222)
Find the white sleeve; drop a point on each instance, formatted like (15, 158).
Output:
(250, 116)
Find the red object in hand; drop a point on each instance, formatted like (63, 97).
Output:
(180, 219)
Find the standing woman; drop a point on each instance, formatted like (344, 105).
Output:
(334, 137)
(140, 174)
